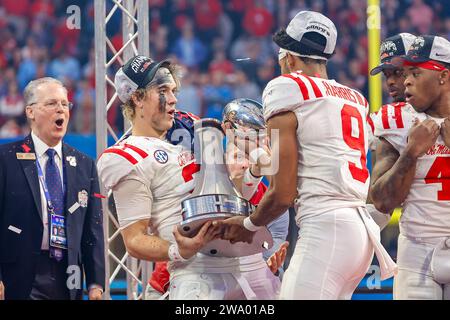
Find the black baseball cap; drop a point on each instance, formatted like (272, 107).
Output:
(395, 46)
(137, 73)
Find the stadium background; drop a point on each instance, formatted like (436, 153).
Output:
(225, 49)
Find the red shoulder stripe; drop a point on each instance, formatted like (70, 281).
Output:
(316, 89)
(122, 153)
(398, 117)
(193, 116)
(139, 151)
(384, 117)
(301, 85)
(370, 122)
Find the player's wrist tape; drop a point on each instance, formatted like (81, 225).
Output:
(257, 153)
(174, 253)
(248, 224)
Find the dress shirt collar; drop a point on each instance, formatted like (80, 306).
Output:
(40, 147)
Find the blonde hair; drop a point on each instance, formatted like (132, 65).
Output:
(129, 107)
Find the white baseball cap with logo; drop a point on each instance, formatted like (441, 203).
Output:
(309, 34)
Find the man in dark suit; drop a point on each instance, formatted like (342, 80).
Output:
(51, 221)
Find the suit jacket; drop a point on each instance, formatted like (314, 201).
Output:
(21, 219)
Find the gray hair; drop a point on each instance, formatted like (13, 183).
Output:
(30, 89)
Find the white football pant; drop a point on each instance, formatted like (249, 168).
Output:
(260, 284)
(414, 279)
(332, 255)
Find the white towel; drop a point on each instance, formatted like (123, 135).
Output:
(388, 266)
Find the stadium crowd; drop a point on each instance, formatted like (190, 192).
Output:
(224, 46)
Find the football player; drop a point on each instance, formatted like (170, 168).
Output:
(415, 170)
(323, 143)
(150, 177)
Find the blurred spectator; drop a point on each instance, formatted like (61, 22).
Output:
(216, 95)
(26, 72)
(447, 28)
(258, 21)
(298, 5)
(40, 32)
(266, 72)
(226, 29)
(158, 43)
(188, 48)
(42, 8)
(10, 129)
(282, 14)
(12, 104)
(243, 88)
(421, 16)
(88, 71)
(391, 11)
(8, 76)
(207, 13)
(66, 39)
(64, 66)
(189, 97)
(250, 52)
(84, 111)
(17, 16)
(221, 63)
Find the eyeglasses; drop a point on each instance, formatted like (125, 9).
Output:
(53, 104)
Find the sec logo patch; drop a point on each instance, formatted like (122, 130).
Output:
(161, 156)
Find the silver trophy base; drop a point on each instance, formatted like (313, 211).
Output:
(262, 240)
(196, 211)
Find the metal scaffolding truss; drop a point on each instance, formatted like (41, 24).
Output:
(135, 27)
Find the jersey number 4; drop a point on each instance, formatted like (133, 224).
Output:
(440, 173)
(356, 143)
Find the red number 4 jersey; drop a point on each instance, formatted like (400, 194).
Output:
(332, 140)
(426, 210)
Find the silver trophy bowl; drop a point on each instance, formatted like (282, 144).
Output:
(215, 197)
(244, 113)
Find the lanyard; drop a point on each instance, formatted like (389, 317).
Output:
(50, 207)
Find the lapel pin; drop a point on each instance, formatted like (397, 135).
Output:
(72, 160)
(26, 148)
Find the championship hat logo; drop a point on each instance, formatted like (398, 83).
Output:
(388, 48)
(418, 43)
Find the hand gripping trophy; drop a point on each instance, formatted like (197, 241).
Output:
(214, 196)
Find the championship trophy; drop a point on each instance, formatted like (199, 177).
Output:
(215, 197)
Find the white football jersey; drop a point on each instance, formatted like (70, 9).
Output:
(168, 172)
(373, 141)
(426, 209)
(332, 138)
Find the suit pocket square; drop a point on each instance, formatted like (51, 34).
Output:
(14, 229)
